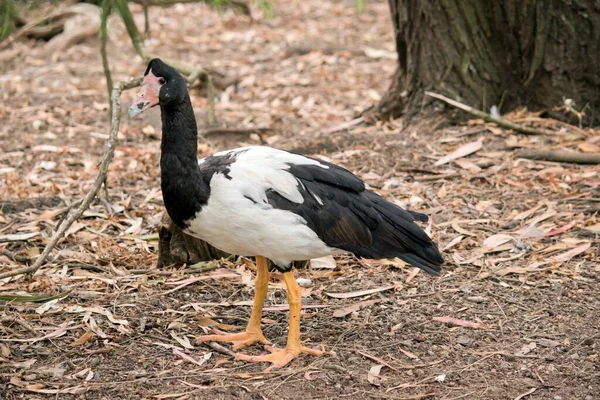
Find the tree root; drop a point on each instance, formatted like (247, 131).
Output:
(85, 202)
(566, 156)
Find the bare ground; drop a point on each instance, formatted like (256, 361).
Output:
(527, 305)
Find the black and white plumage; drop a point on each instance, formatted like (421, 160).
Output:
(279, 205)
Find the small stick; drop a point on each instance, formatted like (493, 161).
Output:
(560, 156)
(488, 118)
(12, 319)
(92, 193)
(218, 348)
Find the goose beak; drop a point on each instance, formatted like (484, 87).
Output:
(147, 97)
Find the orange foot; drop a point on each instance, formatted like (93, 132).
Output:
(280, 357)
(239, 340)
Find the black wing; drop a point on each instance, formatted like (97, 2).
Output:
(347, 216)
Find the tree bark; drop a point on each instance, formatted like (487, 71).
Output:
(506, 53)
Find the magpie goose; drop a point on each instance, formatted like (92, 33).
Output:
(272, 204)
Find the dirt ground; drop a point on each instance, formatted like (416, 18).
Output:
(520, 237)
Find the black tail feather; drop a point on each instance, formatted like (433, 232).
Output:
(399, 236)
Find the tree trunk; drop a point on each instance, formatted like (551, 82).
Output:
(506, 53)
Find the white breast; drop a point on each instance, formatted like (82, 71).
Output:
(238, 225)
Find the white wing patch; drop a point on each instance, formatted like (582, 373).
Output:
(238, 217)
(258, 169)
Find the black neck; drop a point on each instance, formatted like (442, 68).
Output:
(179, 131)
(183, 187)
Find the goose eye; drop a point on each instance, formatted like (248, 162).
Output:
(162, 81)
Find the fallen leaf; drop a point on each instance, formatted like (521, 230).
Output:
(86, 337)
(408, 353)
(531, 233)
(589, 147)
(184, 341)
(459, 322)
(112, 319)
(55, 149)
(462, 151)
(47, 306)
(169, 395)
(376, 359)
(308, 375)
(468, 165)
(327, 262)
(18, 237)
(567, 255)
(94, 327)
(373, 376)
(412, 275)
(342, 312)
(526, 214)
(496, 240)
(76, 227)
(593, 228)
(560, 230)
(188, 358)
(526, 349)
(50, 372)
(25, 365)
(4, 350)
(82, 374)
(359, 293)
(6, 170)
(38, 388)
(136, 224)
(453, 242)
(16, 381)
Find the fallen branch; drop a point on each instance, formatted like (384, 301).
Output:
(109, 153)
(488, 118)
(566, 156)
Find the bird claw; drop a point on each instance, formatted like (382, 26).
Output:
(280, 357)
(239, 340)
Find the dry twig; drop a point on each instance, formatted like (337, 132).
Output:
(220, 349)
(560, 156)
(488, 118)
(89, 197)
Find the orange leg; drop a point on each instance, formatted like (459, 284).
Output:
(253, 331)
(281, 357)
